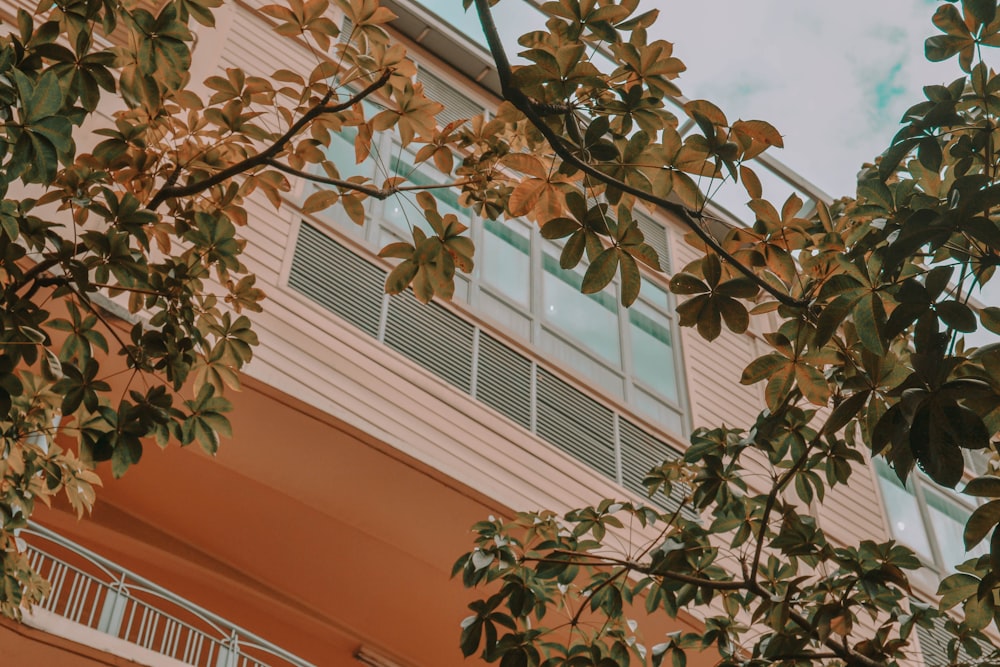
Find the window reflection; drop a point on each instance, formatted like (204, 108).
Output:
(948, 522)
(402, 211)
(505, 259)
(905, 521)
(925, 517)
(652, 354)
(591, 318)
(624, 352)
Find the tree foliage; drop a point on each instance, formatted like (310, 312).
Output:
(872, 296)
(124, 311)
(124, 305)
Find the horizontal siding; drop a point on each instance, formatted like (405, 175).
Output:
(348, 375)
(257, 46)
(853, 512)
(267, 233)
(711, 364)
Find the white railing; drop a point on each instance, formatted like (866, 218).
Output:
(96, 593)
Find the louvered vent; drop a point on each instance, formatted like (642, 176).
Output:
(503, 380)
(575, 423)
(442, 342)
(345, 30)
(456, 107)
(656, 236)
(436, 339)
(641, 452)
(337, 279)
(934, 646)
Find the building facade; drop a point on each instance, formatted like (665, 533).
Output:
(372, 431)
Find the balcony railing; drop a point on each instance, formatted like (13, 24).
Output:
(96, 593)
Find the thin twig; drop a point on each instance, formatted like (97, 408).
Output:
(371, 191)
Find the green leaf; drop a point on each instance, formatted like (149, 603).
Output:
(778, 387)
(990, 317)
(846, 411)
(979, 524)
(645, 254)
(733, 312)
(558, 228)
(127, 452)
(320, 200)
(869, 318)
(709, 322)
(983, 487)
(984, 10)
(876, 192)
(685, 283)
(46, 99)
(631, 278)
(955, 589)
(600, 272)
(956, 315)
(763, 368)
(978, 612)
(812, 384)
(711, 268)
(400, 277)
(740, 288)
(893, 156)
(689, 311)
(572, 252)
(472, 633)
(399, 250)
(832, 316)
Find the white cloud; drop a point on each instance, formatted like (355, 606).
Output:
(834, 78)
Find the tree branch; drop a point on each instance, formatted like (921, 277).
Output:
(371, 191)
(644, 569)
(260, 159)
(44, 265)
(607, 582)
(44, 281)
(772, 498)
(691, 219)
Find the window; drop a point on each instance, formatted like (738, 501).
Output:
(927, 518)
(518, 284)
(590, 319)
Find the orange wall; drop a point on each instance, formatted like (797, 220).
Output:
(302, 530)
(21, 646)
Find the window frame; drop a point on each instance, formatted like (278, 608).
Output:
(471, 289)
(917, 487)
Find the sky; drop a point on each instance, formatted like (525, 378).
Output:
(833, 77)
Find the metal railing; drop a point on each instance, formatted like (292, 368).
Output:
(92, 591)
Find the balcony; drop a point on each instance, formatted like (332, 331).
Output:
(119, 612)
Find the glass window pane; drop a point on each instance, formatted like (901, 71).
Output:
(654, 295)
(401, 210)
(505, 260)
(592, 319)
(652, 352)
(948, 519)
(341, 154)
(904, 515)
